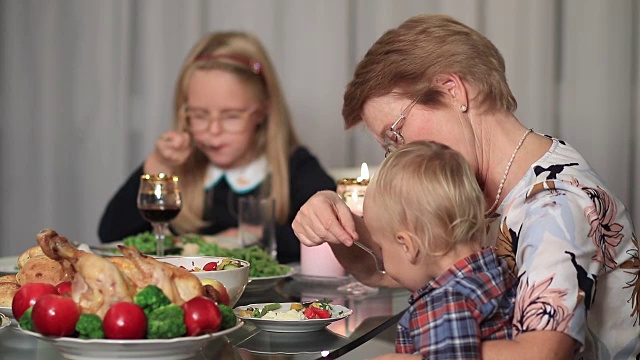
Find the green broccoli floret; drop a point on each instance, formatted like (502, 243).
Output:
(89, 326)
(228, 317)
(166, 322)
(150, 298)
(26, 323)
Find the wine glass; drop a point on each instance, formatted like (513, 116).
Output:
(159, 202)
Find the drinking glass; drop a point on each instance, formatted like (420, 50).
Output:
(256, 223)
(159, 202)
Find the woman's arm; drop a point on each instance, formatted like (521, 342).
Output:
(306, 177)
(359, 263)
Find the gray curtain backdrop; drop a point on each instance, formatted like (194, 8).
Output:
(86, 86)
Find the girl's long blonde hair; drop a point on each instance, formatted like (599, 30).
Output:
(243, 55)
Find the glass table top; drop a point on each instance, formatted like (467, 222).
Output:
(373, 313)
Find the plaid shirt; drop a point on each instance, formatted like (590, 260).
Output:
(449, 317)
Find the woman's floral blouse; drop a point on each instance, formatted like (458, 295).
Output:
(572, 245)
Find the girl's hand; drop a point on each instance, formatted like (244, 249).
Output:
(172, 150)
(325, 218)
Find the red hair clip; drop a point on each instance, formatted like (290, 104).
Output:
(255, 66)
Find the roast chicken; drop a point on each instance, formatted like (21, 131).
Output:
(97, 283)
(101, 282)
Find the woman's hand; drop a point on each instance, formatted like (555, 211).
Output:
(172, 150)
(325, 218)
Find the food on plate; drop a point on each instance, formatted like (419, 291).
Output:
(225, 264)
(42, 269)
(28, 254)
(7, 291)
(216, 290)
(134, 297)
(177, 284)
(124, 320)
(166, 322)
(229, 319)
(150, 298)
(89, 326)
(201, 316)
(26, 322)
(297, 311)
(262, 264)
(286, 315)
(64, 288)
(8, 278)
(99, 283)
(152, 316)
(27, 296)
(55, 315)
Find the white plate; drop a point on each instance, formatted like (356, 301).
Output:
(6, 311)
(109, 249)
(9, 265)
(4, 322)
(266, 282)
(339, 312)
(166, 349)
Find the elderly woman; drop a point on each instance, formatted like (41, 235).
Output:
(568, 239)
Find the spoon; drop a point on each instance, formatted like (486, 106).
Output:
(378, 260)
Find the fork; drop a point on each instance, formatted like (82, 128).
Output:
(376, 258)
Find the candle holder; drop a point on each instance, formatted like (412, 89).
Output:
(352, 192)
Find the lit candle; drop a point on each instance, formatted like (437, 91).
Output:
(364, 172)
(352, 190)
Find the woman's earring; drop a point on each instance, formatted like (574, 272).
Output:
(463, 108)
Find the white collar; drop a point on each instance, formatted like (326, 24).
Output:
(242, 179)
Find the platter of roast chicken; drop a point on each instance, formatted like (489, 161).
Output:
(137, 305)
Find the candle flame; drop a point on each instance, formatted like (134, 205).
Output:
(364, 172)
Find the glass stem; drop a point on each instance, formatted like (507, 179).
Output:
(159, 229)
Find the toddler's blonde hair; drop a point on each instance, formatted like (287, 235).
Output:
(429, 190)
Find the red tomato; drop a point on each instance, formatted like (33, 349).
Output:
(309, 314)
(64, 288)
(124, 320)
(27, 295)
(201, 316)
(313, 312)
(55, 315)
(210, 266)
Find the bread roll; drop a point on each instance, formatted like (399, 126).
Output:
(7, 290)
(8, 278)
(41, 269)
(30, 253)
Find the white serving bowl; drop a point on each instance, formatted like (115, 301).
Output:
(235, 280)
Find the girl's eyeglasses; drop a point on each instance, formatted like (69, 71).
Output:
(232, 121)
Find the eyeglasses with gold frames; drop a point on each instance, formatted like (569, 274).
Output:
(232, 121)
(393, 139)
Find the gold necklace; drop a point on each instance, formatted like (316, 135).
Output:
(506, 173)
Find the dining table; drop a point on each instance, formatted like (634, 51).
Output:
(369, 330)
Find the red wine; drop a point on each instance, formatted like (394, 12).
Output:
(160, 214)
